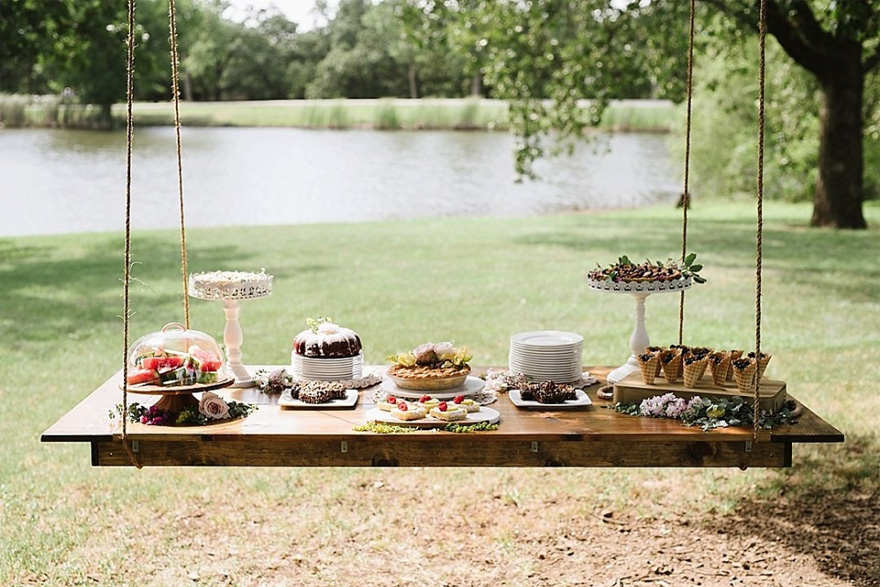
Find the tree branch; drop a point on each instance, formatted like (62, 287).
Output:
(799, 34)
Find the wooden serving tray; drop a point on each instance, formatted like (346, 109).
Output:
(631, 389)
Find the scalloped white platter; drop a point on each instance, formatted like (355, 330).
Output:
(485, 414)
(470, 386)
(641, 286)
(580, 401)
(351, 398)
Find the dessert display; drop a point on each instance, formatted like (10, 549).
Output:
(719, 367)
(230, 285)
(626, 275)
(430, 366)
(175, 357)
(324, 339)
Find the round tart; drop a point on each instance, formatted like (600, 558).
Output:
(427, 379)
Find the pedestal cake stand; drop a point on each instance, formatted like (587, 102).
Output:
(232, 287)
(640, 290)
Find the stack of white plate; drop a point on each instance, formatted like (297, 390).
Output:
(547, 355)
(327, 369)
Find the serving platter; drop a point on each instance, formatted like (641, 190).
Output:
(487, 415)
(287, 401)
(582, 400)
(470, 386)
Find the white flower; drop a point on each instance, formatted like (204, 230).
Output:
(445, 351)
(213, 407)
(425, 354)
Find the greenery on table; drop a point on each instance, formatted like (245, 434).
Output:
(495, 277)
(707, 413)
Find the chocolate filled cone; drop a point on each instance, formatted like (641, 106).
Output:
(694, 371)
(744, 378)
(763, 362)
(734, 355)
(719, 366)
(671, 362)
(648, 365)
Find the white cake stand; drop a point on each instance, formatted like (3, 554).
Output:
(239, 288)
(639, 339)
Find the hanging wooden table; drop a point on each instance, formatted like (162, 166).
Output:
(275, 437)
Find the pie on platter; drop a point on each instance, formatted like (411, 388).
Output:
(430, 367)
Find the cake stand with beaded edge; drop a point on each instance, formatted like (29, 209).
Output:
(231, 287)
(640, 290)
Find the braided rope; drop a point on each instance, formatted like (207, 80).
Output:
(126, 311)
(759, 253)
(686, 196)
(175, 60)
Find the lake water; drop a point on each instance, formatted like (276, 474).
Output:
(62, 181)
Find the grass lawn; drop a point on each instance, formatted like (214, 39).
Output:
(473, 281)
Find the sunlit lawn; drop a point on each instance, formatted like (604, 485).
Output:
(473, 281)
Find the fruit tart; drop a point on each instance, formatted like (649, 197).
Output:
(430, 366)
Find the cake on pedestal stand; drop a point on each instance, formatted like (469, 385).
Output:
(640, 290)
(232, 287)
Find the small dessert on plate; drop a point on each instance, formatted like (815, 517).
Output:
(388, 404)
(408, 411)
(468, 404)
(430, 366)
(448, 413)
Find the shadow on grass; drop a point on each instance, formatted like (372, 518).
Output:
(828, 506)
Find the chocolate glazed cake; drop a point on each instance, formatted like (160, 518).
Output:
(330, 341)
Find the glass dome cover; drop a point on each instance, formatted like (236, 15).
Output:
(176, 356)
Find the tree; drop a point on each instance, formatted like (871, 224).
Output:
(837, 43)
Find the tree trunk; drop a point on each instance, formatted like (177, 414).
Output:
(476, 85)
(837, 202)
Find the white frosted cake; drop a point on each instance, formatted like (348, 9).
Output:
(230, 285)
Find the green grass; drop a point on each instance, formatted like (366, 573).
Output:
(384, 114)
(473, 281)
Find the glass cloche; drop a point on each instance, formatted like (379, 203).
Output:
(176, 356)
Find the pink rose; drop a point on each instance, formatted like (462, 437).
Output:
(213, 407)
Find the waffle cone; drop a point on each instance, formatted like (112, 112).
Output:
(744, 378)
(694, 371)
(763, 362)
(720, 369)
(649, 367)
(734, 355)
(672, 366)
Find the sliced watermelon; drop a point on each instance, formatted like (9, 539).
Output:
(204, 360)
(139, 376)
(162, 363)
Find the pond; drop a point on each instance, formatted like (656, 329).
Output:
(64, 181)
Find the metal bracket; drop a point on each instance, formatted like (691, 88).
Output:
(534, 446)
(135, 446)
(344, 447)
(748, 446)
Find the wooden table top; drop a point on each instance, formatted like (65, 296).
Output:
(275, 436)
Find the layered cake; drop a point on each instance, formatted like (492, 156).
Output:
(326, 340)
(230, 285)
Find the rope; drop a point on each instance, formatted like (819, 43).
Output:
(759, 253)
(685, 196)
(126, 311)
(172, 30)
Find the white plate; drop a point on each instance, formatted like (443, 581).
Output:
(351, 398)
(546, 338)
(470, 386)
(484, 415)
(582, 400)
